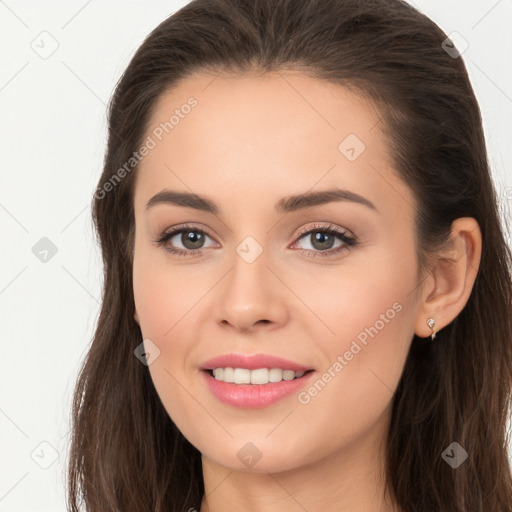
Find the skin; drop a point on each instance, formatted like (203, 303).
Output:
(249, 142)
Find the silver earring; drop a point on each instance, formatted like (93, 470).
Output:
(432, 323)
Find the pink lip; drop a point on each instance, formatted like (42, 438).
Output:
(254, 396)
(252, 362)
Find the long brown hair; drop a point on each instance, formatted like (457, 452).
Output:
(126, 454)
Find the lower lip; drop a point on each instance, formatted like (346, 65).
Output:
(254, 396)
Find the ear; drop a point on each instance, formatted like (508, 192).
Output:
(448, 286)
(136, 316)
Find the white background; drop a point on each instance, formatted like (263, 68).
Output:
(53, 134)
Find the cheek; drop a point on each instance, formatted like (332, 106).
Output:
(165, 293)
(360, 300)
(364, 326)
(167, 299)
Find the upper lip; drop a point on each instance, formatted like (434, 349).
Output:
(252, 362)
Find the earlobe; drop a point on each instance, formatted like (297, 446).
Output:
(136, 317)
(449, 285)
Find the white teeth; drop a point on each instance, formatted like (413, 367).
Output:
(229, 374)
(259, 376)
(242, 376)
(275, 375)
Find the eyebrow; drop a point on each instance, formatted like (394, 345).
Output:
(285, 205)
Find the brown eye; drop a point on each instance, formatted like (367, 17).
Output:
(322, 240)
(191, 239)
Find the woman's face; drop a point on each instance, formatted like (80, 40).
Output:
(259, 273)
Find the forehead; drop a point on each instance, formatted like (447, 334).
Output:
(259, 134)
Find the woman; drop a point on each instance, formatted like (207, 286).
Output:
(307, 296)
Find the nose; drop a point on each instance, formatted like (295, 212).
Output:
(251, 297)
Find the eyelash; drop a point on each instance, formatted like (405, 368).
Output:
(348, 241)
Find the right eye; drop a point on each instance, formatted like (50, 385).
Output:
(191, 238)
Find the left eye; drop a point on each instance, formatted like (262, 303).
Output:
(322, 240)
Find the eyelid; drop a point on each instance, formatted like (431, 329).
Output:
(326, 227)
(184, 227)
(303, 231)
